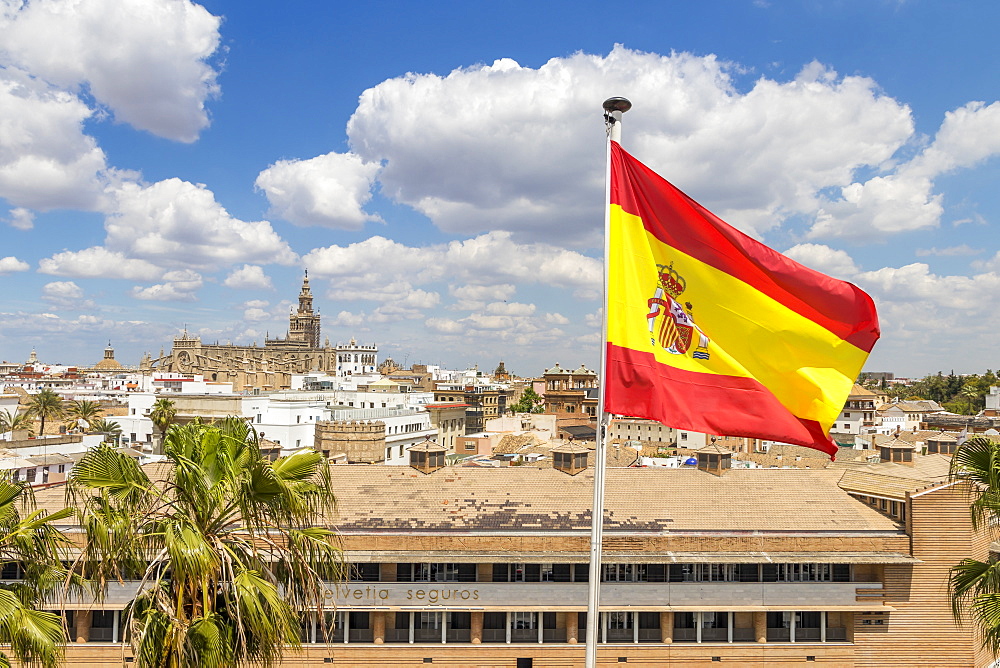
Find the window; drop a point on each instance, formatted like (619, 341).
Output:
(619, 620)
(365, 572)
(523, 620)
(624, 573)
(428, 620)
(11, 571)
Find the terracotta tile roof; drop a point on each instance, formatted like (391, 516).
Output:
(513, 443)
(379, 498)
(895, 480)
(373, 498)
(620, 456)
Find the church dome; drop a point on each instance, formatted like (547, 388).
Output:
(109, 363)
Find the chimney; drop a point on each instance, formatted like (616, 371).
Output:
(427, 457)
(570, 458)
(714, 459)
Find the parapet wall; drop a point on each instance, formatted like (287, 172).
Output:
(362, 441)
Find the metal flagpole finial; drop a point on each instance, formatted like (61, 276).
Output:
(614, 107)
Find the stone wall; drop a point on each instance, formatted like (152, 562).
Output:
(362, 442)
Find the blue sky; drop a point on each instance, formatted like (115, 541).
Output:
(438, 167)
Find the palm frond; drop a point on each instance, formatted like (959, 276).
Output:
(231, 563)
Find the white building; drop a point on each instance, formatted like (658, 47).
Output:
(288, 419)
(354, 359)
(905, 415)
(858, 414)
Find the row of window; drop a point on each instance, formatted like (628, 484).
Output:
(547, 627)
(363, 359)
(462, 572)
(895, 509)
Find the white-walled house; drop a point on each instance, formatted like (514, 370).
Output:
(288, 419)
(992, 408)
(39, 470)
(858, 414)
(905, 415)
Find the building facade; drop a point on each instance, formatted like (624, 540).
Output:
(474, 566)
(484, 399)
(571, 394)
(271, 366)
(858, 414)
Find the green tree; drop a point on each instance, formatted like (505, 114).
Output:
(228, 546)
(162, 414)
(529, 402)
(83, 411)
(970, 394)
(15, 422)
(31, 542)
(45, 405)
(109, 427)
(975, 585)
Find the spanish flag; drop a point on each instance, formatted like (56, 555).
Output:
(712, 331)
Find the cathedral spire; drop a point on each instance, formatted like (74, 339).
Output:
(303, 323)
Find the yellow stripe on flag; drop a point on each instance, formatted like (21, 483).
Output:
(808, 368)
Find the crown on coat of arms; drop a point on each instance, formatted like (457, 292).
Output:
(671, 281)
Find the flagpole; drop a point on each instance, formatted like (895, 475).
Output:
(614, 107)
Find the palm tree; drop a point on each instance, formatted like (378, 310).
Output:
(975, 585)
(107, 427)
(15, 422)
(85, 411)
(44, 405)
(162, 414)
(971, 394)
(31, 542)
(229, 547)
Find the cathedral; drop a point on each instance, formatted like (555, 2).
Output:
(268, 368)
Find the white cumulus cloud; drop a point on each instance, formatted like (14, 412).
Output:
(10, 264)
(174, 223)
(46, 161)
(249, 277)
(537, 169)
(146, 60)
(492, 259)
(21, 218)
(66, 295)
(99, 262)
(905, 200)
(180, 286)
(822, 258)
(328, 190)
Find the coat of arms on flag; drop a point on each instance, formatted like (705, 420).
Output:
(677, 329)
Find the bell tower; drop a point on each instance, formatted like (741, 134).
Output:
(303, 324)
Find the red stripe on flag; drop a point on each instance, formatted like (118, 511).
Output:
(702, 402)
(680, 222)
